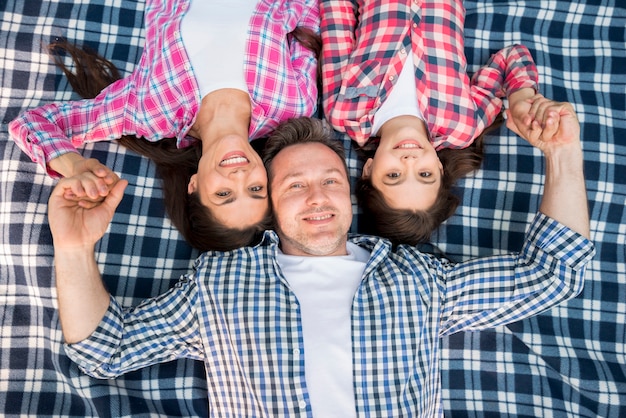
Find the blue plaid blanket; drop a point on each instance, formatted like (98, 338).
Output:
(570, 361)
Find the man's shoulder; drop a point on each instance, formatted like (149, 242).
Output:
(383, 248)
(265, 249)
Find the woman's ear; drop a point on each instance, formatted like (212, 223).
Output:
(367, 169)
(192, 187)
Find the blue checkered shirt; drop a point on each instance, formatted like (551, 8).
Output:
(237, 314)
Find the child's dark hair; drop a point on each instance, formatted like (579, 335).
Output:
(404, 226)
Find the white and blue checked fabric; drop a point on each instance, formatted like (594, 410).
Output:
(238, 315)
(567, 362)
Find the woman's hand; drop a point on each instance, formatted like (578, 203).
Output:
(94, 178)
(77, 222)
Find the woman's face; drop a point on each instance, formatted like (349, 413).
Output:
(405, 169)
(232, 183)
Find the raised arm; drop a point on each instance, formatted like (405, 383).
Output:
(76, 225)
(508, 71)
(553, 128)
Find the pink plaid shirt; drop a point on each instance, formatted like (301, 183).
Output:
(359, 71)
(161, 98)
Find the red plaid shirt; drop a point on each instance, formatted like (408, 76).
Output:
(365, 47)
(161, 98)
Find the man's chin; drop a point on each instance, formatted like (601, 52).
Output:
(318, 247)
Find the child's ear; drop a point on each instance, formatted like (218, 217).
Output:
(192, 187)
(367, 169)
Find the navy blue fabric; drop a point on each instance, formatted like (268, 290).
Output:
(570, 361)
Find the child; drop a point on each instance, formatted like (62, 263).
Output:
(394, 79)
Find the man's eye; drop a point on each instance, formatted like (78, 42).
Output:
(393, 175)
(330, 181)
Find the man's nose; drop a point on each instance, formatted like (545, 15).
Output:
(317, 195)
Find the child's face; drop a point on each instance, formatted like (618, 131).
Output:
(406, 170)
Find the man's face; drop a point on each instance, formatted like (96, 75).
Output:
(310, 194)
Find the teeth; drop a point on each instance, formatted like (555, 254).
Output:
(319, 218)
(234, 160)
(409, 146)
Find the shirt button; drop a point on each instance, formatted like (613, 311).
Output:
(415, 25)
(294, 306)
(403, 51)
(177, 34)
(391, 78)
(296, 352)
(302, 404)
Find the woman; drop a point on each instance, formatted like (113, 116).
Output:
(213, 76)
(394, 79)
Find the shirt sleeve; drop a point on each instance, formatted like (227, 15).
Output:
(304, 61)
(54, 129)
(338, 23)
(507, 71)
(497, 290)
(158, 330)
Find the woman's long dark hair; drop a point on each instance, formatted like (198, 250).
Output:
(175, 166)
(404, 226)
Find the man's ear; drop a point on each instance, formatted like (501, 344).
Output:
(367, 169)
(192, 187)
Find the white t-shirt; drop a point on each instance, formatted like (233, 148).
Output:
(325, 288)
(214, 34)
(402, 100)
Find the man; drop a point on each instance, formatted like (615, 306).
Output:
(310, 322)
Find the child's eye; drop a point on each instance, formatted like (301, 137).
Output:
(393, 175)
(224, 193)
(426, 174)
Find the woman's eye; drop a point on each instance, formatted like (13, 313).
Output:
(223, 193)
(256, 188)
(394, 175)
(426, 174)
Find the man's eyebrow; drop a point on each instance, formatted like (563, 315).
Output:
(301, 173)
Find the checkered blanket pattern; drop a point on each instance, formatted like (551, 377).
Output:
(570, 361)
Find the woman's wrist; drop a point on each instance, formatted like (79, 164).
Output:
(65, 163)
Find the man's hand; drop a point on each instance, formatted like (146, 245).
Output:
(553, 128)
(546, 124)
(77, 221)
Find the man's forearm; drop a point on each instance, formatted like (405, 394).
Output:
(82, 298)
(565, 195)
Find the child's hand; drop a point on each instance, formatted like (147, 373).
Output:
(547, 124)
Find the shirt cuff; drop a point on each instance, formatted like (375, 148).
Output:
(97, 349)
(564, 244)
